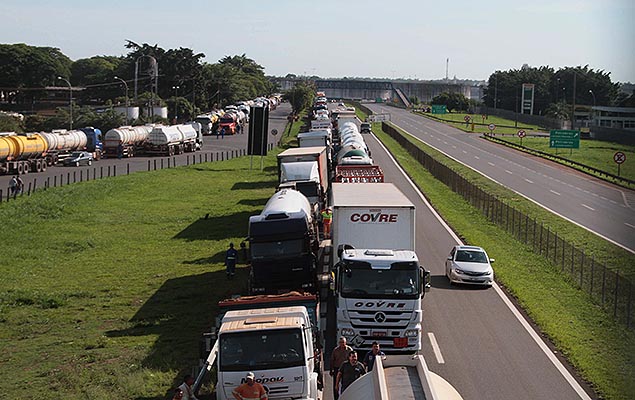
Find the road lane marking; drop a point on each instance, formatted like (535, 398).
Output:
(464, 152)
(590, 208)
(491, 163)
(629, 225)
(509, 172)
(528, 181)
(477, 157)
(436, 348)
(554, 192)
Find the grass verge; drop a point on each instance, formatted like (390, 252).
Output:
(503, 125)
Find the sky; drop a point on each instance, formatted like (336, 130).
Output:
(347, 38)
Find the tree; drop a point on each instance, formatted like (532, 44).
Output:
(300, 96)
(10, 124)
(452, 101)
(98, 75)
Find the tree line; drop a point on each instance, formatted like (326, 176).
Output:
(184, 82)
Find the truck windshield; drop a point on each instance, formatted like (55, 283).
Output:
(261, 349)
(359, 280)
(283, 248)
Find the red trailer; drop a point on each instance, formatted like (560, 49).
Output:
(359, 174)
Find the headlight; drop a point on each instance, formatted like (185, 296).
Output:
(412, 333)
(488, 272)
(347, 332)
(457, 270)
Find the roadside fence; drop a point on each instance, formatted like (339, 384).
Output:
(100, 172)
(607, 286)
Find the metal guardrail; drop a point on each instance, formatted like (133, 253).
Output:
(606, 286)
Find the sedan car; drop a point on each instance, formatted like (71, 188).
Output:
(78, 158)
(470, 265)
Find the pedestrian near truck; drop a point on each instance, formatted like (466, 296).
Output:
(349, 372)
(338, 357)
(230, 261)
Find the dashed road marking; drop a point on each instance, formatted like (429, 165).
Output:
(554, 192)
(528, 180)
(509, 172)
(590, 208)
(629, 225)
(436, 348)
(491, 163)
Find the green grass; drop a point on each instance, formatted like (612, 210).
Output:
(601, 349)
(594, 153)
(106, 286)
(503, 125)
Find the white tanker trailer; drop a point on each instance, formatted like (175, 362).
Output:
(170, 140)
(125, 141)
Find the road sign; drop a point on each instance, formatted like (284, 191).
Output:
(619, 157)
(564, 139)
(467, 118)
(521, 134)
(439, 109)
(274, 132)
(491, 127)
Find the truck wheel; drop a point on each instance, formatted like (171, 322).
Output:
(90, 162)
(44, 166)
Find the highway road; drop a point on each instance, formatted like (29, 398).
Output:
(604, 209)
(211, 145)
(473, 337)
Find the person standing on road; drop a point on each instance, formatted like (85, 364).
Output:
(369, 358)
(230, 260)
(327, 218)
(19, 188)
(338, 357)
(222, 133)
(13, 185)
(186, 388)
(120, 149)
(349, 372)
(250, 390)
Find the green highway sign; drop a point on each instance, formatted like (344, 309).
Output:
(439, 109)
(564, 139)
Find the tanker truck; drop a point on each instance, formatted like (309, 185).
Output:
(34, 152)
(170, 140)
(125, 141)
(379, 283)
(283, 241)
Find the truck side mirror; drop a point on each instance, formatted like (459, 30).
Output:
(425, 280)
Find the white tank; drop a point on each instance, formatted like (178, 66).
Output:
(65, 140)
(189, 131)
(127, 135)
(165, 135)
(289, 202)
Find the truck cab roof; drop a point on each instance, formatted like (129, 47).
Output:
(264, 318)
(372, 256)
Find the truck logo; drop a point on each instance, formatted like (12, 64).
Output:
(274, 379)
(377, 217)
(380, 317)
(379, 304)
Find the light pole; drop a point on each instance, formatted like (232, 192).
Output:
(127, 106)
(592, 94)
(70, 101)
(176, 100)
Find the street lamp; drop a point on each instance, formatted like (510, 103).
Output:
(592, 94)
(176, 104)
(126, 94)
(70, 100)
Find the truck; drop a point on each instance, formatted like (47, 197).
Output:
(34, 152)
(209, 122)
(321, 123)
(174, 139)
(303, 176)
(358, 173)
(229, 121)
(319, 154)
(317, 138)
(283, 242)
(379, 283)
(126, 140)
(275, 337)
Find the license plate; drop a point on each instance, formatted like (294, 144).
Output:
(378, 333)
(400, 342)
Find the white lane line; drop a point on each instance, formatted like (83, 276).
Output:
(539, 341)
(590, 208)
(436, 348)
(528, 181)
(491, 163)
(464, 152)
(477, 157)
(554, 192)
(509, 172)
(629, 225)
(454, 147)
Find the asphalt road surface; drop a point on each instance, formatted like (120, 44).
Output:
(604, 209)
(212, 146)
(472, 338)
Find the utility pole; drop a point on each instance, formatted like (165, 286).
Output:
(573, 109)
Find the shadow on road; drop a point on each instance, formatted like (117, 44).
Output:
(442, 282)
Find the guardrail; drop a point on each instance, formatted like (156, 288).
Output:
(608, 287)
(579, 166)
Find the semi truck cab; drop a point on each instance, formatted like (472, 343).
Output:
(379, 295)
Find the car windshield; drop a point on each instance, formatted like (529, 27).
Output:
(258, 350)
(400, 280)
(474, 256)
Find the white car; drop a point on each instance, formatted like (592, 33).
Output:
(470, 265)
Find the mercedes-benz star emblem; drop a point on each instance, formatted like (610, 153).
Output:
(380, 317)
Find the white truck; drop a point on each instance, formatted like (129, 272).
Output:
(315, 138)
(379, 283)
(174, 139)
(319, 154)
(275, 337)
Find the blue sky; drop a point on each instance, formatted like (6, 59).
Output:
(328, 38)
